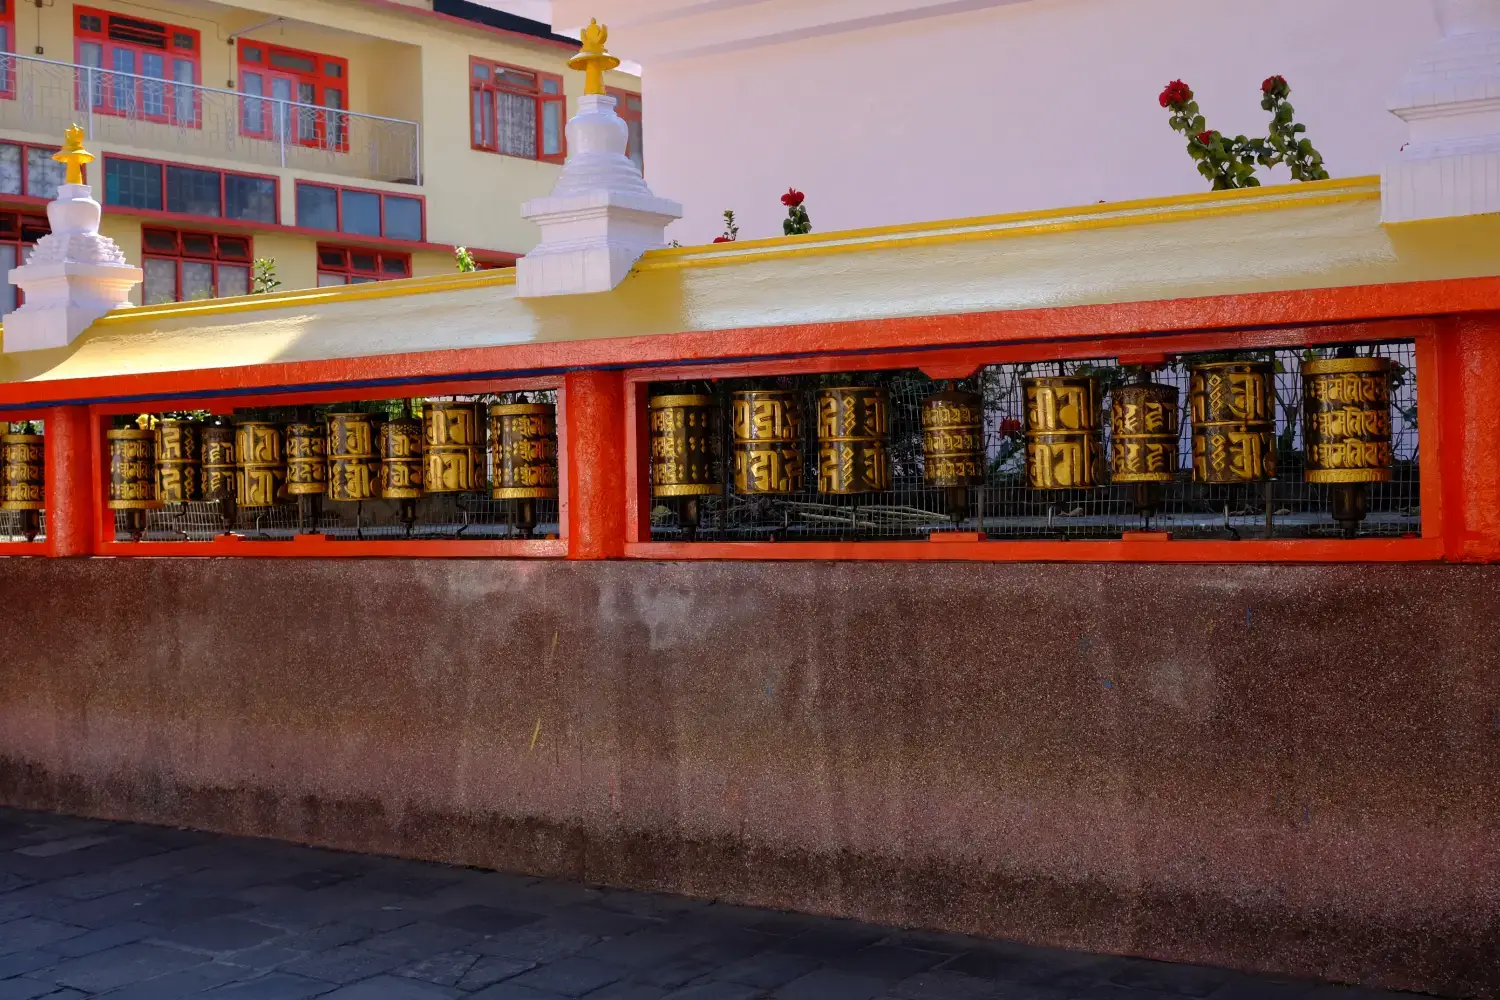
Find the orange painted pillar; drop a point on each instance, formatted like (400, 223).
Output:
(70, 482)
(594, 415)
(1468, 350)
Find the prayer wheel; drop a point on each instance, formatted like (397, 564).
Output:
(523, 445)
(1143, 444)
(260, 471)
(684, 453)
(177, 461)
(768, 442)
(450, 438)
(1233, 408)
(953, 445)
(307, 469)
(216, 448)
(353, 469)
(401, 465)
(132, 476)
(1063, 441)
(22, 479)
(480, 447)
(853, 422)
(1346, 426)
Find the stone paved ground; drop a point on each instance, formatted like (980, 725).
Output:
(134, 912)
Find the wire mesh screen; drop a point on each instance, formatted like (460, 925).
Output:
(1003, 506)
(13, 527)
(471, 514)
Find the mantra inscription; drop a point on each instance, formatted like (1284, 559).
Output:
(1063, 440)
(306, 458)
(853, 423)
(768, 442)
(1346, 420)
(684, 452)
(176, 461)
(353, 470)
(260, 471)
(1144, 426)
(22, 467)
(217, 446)
(450, 442)
(401, 459)
(132, 469)
(953, 439)
(523, 447)
(1232, 404)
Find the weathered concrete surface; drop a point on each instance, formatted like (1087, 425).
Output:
(1275, 768)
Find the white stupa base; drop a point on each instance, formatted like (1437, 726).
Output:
(592, 241)
(62, 300)
(1441, 185)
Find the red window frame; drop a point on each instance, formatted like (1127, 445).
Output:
(353, 274)
(8, 44)
(14, 226)
(109, 84)
(223, 194)
(339, 191)
(485, 90)
(625, 111)
(313, 122)
(216, 256)
(24, 194)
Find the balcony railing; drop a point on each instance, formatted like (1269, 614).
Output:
(167, 118)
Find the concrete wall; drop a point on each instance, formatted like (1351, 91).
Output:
(895, 111)
(1284, 768)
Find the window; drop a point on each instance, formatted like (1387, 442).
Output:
(182, 266)
(359, 213)
(18, 232)
(7, 44)
(354, 266)
(158, 187)
(30, 171)
(137, 68)
(518, 112)
(305, 89)
(628, 107)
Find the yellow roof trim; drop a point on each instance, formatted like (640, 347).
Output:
(1146, 211)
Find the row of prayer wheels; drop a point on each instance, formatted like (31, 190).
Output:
(349, 457)
(1232, 405)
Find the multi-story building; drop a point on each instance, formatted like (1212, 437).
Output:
(348, 140)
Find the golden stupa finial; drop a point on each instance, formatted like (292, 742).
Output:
(73, 154)
(592, 58)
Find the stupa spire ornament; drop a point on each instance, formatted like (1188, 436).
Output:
(592, 58)
(73, 275)
(600, 216)
(1450, 101)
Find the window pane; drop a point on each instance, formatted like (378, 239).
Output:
(10, 168)
(476, 117)
(633, 103)
(182, 40)
(197, 280)
(89, 22)
(361, 213)
(636, 148)
(551, 85)
(233, 248)
(252, 113)
(153, 94)
(515, 78)
(161, 281)
(123, 60)
(250, 54)
(193, 192)
(160, 240)
(33, 228)
(296, 63)
(403, 218)
(8, 253)
(481, 72)
(359, 261)
(333, 70)
(317, 207)
(394, 267)
(91, 54)
(197, 245)
(43, 173)
(332, 258)
(132, 184)
(328, 280)
(355, 279)
(251, 198)
(233, 280)
(184, 98)
(552, 128)
(517, 125)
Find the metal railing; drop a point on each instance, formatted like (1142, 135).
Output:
(166, 118)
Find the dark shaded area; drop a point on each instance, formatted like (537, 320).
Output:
(1276, 768)
(480, 14)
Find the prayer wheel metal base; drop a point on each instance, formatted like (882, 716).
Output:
(135, 523)
(1350, 505)
(30, 524)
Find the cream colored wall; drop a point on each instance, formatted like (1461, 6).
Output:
(296, 257)
(400, 66)
(126, 233)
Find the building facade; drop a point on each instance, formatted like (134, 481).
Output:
(347, 141)
(901, 111)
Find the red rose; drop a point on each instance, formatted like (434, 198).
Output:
(1273, 83)
(793, 198)
(722, 239)
(1206, 137)
(1010, 425)
(1176, 93)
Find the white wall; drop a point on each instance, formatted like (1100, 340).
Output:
(1009, 107)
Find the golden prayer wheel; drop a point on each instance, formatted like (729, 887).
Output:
(1064, 449)
(481, 447)
(684, 453)
(132, 475)
(177, 461)
(306, 459)
(1346, 426)
(216, 448)
(768, 442)
(953, 445)
(450, 439)
(260, 471)
(523, 445)
(353, 469)
(23, 479)
(401, 465)
(853, 422)
(1233, 407)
